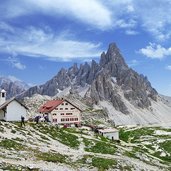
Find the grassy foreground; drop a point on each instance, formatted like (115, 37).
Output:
(140, 148)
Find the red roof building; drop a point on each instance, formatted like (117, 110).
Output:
(61, 112)
(49, 106)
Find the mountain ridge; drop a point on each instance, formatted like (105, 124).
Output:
(100, 77)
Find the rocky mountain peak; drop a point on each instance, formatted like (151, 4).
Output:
(135, 88)
(72, 71)
(74, 68)
(113, 47)
(109, 80)
(113, 55)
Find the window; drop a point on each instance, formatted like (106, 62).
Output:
(61, 108)
(65, 119)
(54, 120)
(68, 113)
(73, 119)
(62, 103)
(72, 108)
(54, 114)
(66, 108)
(3, 94)
(56, 108)
(62, 113)
(66, 103)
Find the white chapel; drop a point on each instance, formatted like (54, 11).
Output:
(12, 109)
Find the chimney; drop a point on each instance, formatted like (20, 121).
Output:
(2, 96)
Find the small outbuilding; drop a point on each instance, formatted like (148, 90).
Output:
(12, 109)
(110, 133)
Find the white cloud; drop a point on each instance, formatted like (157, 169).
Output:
(16, 63)
(133, 63)
(131, 32)
(152, 16)
(125, 24)
(12, 60)
(35, 42)
(168, 67)
(99, 14)
(155, 51)
(91, 12)
(6, 27)
(130, 8)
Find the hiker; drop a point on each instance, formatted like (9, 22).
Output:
(37, 119)
(46, 118)
(22, 121)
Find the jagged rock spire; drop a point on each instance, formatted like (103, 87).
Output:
(112, 56)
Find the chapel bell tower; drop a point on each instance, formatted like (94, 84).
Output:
(2, 96)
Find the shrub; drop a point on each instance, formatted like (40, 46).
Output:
(52, 157)
(103, 164)
(11, 144)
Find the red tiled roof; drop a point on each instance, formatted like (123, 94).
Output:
(49, 106)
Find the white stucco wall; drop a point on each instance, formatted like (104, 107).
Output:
(2, 115)
(66, 108)
(14, 111)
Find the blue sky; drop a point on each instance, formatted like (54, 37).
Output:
(38, 38)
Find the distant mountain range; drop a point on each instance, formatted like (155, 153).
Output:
(13, 86)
